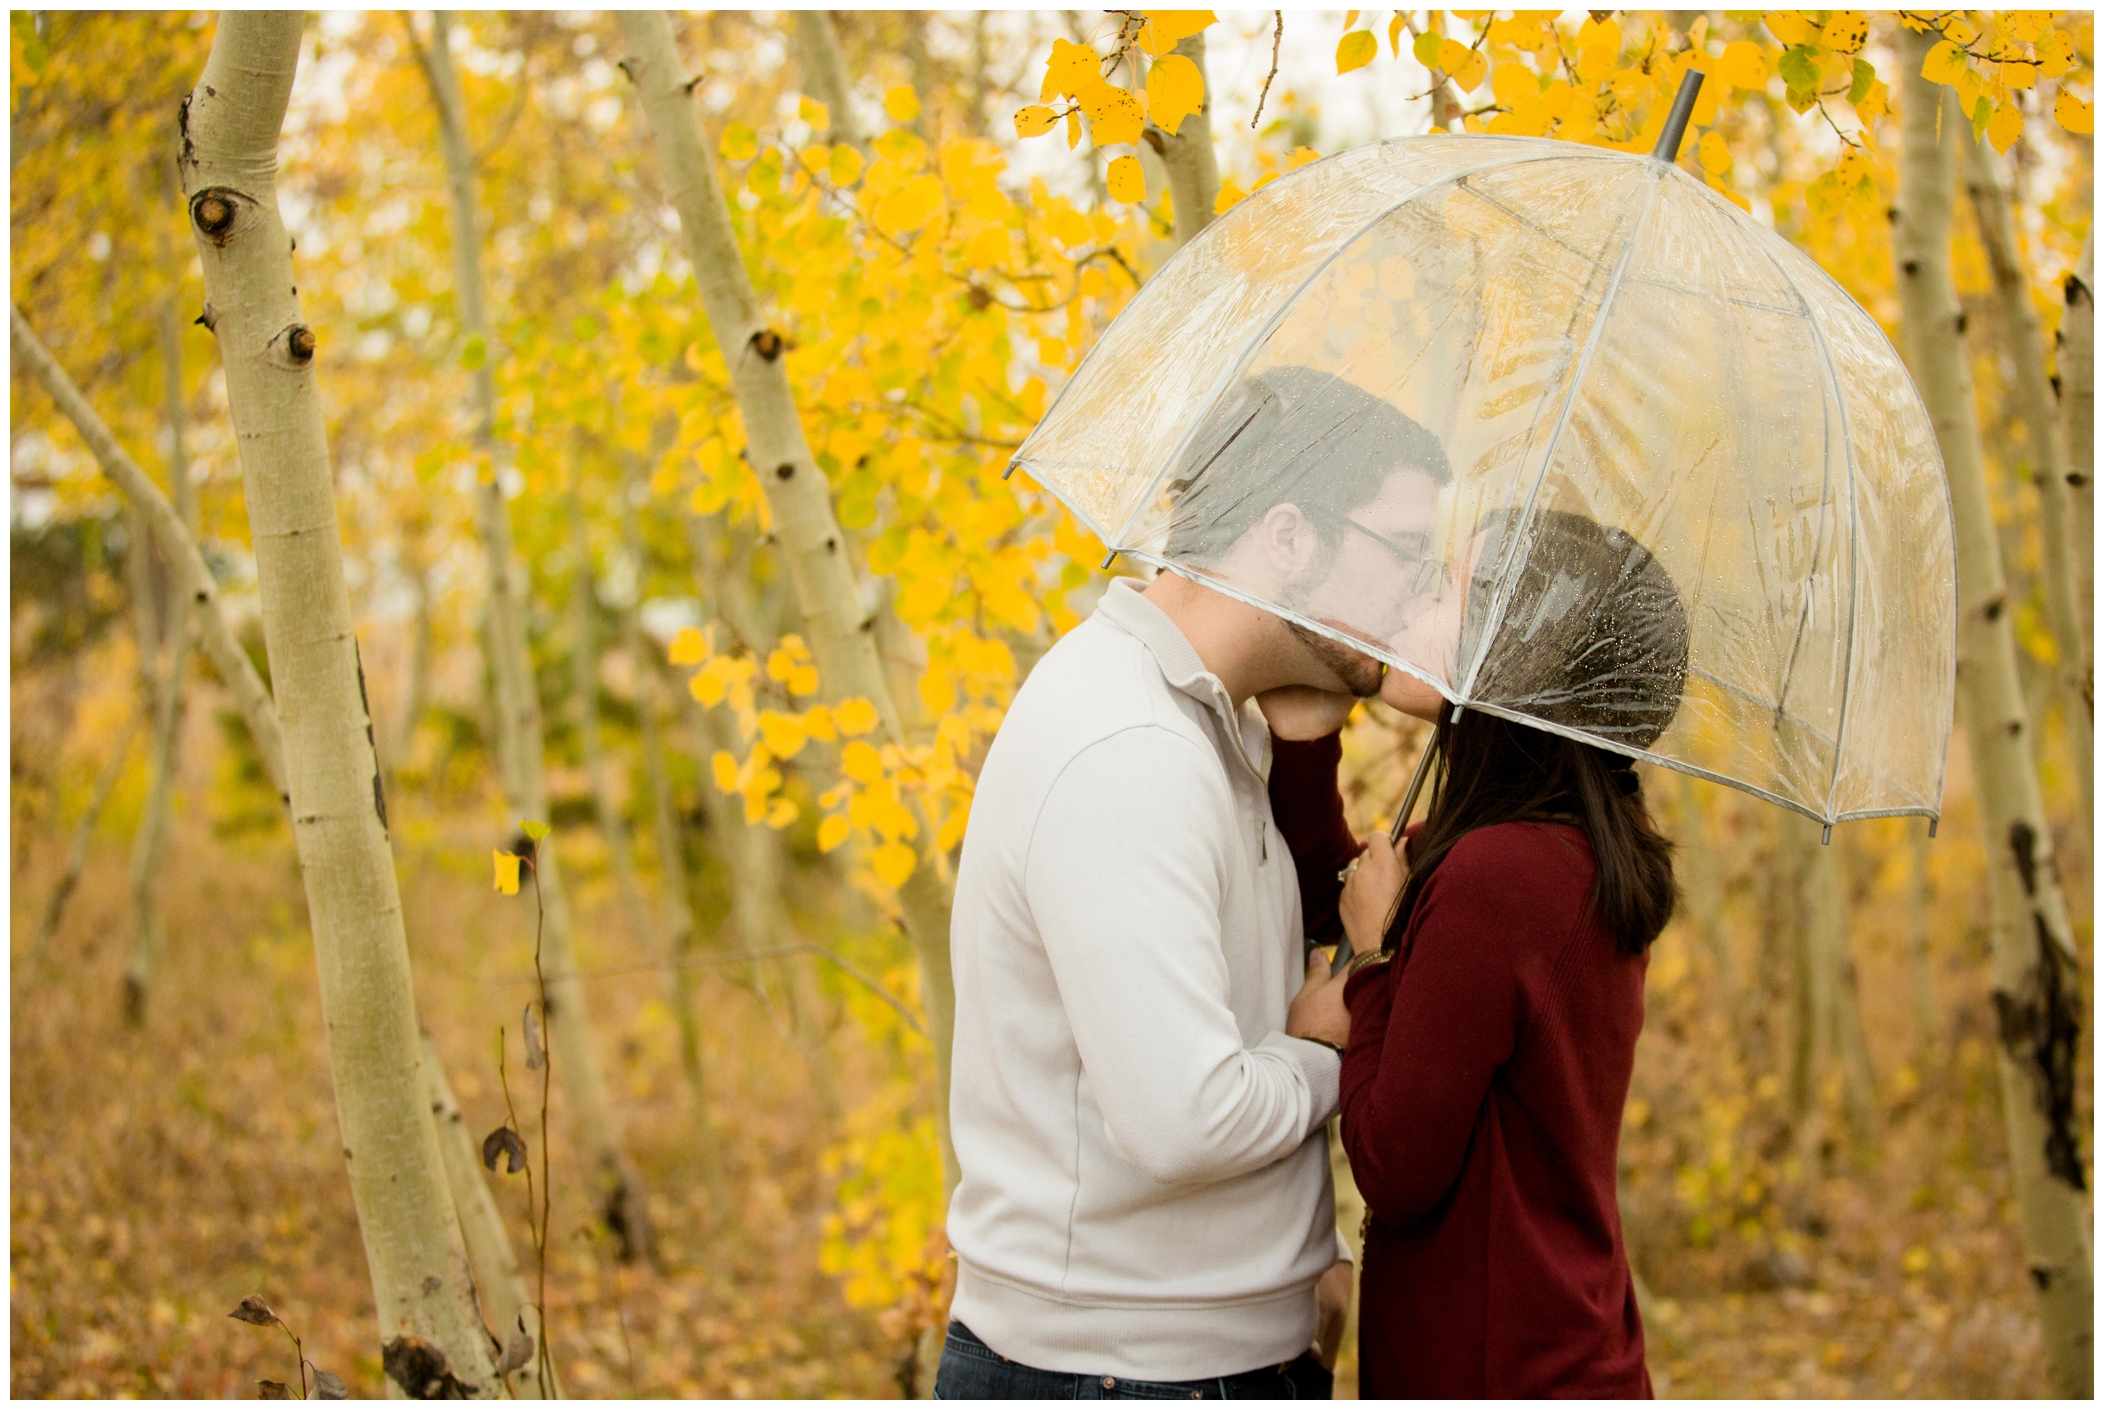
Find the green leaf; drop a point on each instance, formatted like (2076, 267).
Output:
(1860, 83)
(1982, 114)
(1426, 50)
(584, 327)
(534, 830)
(1800, 67)
(473, 353)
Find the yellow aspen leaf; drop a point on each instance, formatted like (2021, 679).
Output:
(1300, 157)
(1125, 181)
(783, 734)
(1874, 105)
(1356, 50)
(1073, 128)
(2005, 126)
(1395, 36)
(708, 687)
(2074, 114)
(818, 723)
(901, 103)
(832, 832)
(1945, 63)
(1175, 90)
(1514, 84)
(689, 647)
(861, 762)
(952, 831)
(739, 143)
(1261, 182)
(724, 769)
(507, 872)
(843, 165)
(1051, 351)
(988, 248)
(910, 207)
(2019, 75)
(1470, 70)
(1743, 65)
(755, 808)
(1229, 194)
(1351, 17)
(1790, 28)
(1846, 32)
(2025, 26)
(1035, 121)
(1165, 29)
(1071, 69)
(786, 657)
(815, 159)
(1959, 30)
(803, 681)
(893, 863)
(534, 831)
(1425, 49)
(1115, 114)
(1715, 155)
(1597, 62)
(814, 113)
(854, 715)
(2055, 52)
(780, 814)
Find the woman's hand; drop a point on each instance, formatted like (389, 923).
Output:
(1303, 712)
(1318, 1010)
(1410, 695)
(1371, 885)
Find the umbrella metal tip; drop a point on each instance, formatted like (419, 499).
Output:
(1668, 148)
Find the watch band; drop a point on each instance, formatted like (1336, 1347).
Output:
(1368, 961)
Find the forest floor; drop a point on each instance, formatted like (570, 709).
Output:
(160, 1173)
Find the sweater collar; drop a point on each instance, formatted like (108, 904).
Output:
(1126, 606)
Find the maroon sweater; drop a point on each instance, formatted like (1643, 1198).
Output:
(1482, 1094)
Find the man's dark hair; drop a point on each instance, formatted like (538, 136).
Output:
(1291, 435)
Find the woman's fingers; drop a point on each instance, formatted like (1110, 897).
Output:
(1370, 892)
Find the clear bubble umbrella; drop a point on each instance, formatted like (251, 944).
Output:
(1559, 431)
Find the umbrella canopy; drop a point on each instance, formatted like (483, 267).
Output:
(1559, 431)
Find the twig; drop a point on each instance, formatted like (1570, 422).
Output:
(77, 854)
(1278, 32)
(544, 1361)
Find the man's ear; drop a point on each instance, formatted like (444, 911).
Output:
(1288, 540)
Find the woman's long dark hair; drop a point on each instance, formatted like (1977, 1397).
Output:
(1592, 636)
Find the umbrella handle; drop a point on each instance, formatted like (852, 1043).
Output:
(1668, 148)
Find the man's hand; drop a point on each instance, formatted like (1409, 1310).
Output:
(1318, 1010)
(1371, 886)
(1303, 712)
(1333, 1299)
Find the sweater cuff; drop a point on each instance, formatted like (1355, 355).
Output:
(1320, 1068)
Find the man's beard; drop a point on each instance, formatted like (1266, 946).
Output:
(1360, 673)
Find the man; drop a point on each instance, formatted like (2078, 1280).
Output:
(1137, 1103)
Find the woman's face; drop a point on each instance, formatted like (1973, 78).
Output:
(1432, 638)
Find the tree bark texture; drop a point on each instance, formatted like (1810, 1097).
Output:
(500, 1285)
(1991, 202)
(228, 160)
(519, 723)
(825, 75)
(841, 636)
(1188, 157)
(2078, 411)
(2036, 980)
(148, 931)
(1827, 1031)
(227, 657)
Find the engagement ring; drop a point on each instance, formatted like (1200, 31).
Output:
(1346, 874)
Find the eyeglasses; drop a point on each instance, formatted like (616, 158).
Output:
(1423, 574)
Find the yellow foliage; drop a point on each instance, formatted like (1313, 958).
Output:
(860, 762)
(1175, 90)
(1125, 181)
(854, 715)
(893, 863)
(1035, 120)
(1115, 114)
(507, 864)
(1356, 50)
(2074, 114)
(901, 103)
(1165, 28)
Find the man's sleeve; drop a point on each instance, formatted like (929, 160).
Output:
(1127, 866)
(1310, 815)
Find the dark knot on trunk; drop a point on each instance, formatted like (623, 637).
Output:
(213, 211)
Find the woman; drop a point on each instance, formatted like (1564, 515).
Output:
(1496, 992)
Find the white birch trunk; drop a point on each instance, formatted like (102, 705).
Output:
(2078, 410)
(841, 636)
(148, 931)
(196, 580)
(2036, 978)
(228, 160)
(1188, 157)
(1991, 203)
(519, 723)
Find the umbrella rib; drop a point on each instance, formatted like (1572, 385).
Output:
(1494, 617)
(1285, 306)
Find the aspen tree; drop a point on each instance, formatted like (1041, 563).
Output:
(825, 75)
(148, 930)
(77, 851)
(1826, 1031)
(1991, 198)
(2037, 980)
(196, 580)
(842, 638)
(1188, 157)
(500, 1286)
(519, 723)
(2078, 411)
(228, 161)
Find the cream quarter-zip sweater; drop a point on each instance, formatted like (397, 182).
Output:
(1146, 1183)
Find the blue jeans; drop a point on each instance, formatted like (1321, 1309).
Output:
(972, 1370)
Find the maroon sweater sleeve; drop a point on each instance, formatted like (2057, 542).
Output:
(1431, 1027)
(1310, 813)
